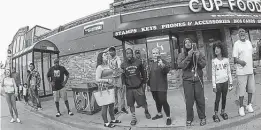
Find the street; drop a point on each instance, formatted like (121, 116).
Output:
(30, 121)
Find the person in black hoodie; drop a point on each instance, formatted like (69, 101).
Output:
(133, 78)
(158, 82)
(191, 61)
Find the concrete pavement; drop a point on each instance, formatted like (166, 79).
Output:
(30, 121)
(176, 101)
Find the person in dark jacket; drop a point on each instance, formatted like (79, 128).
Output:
(158, 82)
(133, 78)
(192, 61)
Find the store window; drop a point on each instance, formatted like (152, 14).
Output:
(17, 44)
(161, 42)
(21, 69)
(21, 42)
(24, 68)
(14, 47)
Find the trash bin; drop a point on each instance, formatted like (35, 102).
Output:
(84, 100)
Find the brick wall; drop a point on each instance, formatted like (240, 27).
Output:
(82, 66)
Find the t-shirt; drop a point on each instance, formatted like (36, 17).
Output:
(57, 76)
(221, 71)
(134, 75)
(243, 51)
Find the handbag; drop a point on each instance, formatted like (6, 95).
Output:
(104, 96)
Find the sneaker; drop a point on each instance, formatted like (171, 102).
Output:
(124, 110)
(12, 120)
(168, 121)
(241, 111)
(147, 114)
(58, 114)
(157, 117)
(250, 108)
(39, 108)
(70, 113)
(18, 120)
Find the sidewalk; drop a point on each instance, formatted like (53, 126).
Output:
(178, 112)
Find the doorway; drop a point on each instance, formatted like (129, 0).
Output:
(210, 37)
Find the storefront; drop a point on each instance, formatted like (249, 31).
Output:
(203, 25)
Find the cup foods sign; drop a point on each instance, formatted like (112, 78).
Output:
(210, 5)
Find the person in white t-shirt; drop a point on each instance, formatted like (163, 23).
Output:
(242, 53)
(221, 79)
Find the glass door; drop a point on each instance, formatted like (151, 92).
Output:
(38, 67)
(46, 67)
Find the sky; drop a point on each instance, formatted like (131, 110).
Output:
(47, 13)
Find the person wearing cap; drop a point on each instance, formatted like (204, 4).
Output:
(33, 82)
(115, 64)
(55, 77)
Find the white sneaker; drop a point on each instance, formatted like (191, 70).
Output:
(250, 108)
(12, 120)
(18, 120)
(241, 111)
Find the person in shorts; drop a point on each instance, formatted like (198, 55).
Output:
(133, 78)
(242, 53)
(55, 77)
(143, 62)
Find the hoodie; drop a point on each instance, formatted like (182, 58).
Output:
(133, 74)
(186, 63)
(158, 76)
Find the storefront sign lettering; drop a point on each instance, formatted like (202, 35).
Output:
(186, 24)
(210, 5)
(125, 32)
(93, 28)
(150, 28)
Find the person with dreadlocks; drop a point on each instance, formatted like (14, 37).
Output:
(192, 61)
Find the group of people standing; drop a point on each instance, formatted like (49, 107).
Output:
(11, 84)
(135, 76)
(129, 80)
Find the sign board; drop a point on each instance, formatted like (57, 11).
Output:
(211, 5)
(187, 24)
(93, 28)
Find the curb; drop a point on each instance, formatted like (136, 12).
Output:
(234, 121)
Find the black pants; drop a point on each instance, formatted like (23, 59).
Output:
(161, 101)
(104, 112)
(222, 89)
(194, 91)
